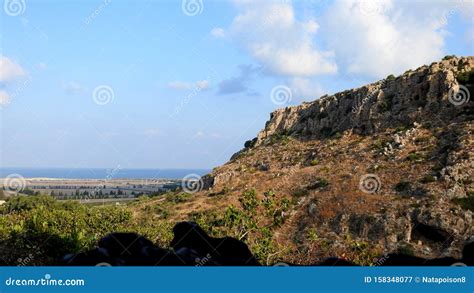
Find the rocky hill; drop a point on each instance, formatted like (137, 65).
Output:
(359, 175)
(384, 167)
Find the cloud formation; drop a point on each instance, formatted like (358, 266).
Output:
(281, 43)
(372, 38)
(9, 70)
(377, 38)
(238, 84)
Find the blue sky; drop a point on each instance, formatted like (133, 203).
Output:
(183, 84)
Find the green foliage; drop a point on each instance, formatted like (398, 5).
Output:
(300, 192)
(405, 249)
(448, 57)
(466, 77)
(174, 197)
(314, 162)
(249, 200)
(279, 138)
(21, 203)
(428, 179)
(466, 203)
(52, 228)
(312, 235)
(390, 77)
(414, 157)
(318, 183)
(378, 145)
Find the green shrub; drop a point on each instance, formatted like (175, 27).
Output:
(414, 157)
(390, 77)
(428, 179)
(466, 203)
(177, 197)
(448, 57)
(318, 183)
(403, 186)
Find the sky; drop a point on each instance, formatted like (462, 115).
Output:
(183, 84)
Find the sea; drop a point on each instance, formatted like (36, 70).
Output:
(100, 173)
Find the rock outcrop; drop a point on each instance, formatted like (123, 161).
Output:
(418, 96)
(389, 164)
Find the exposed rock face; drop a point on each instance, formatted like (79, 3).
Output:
(416, 96)
(413, 134)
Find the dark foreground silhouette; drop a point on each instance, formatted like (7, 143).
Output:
(192, 246)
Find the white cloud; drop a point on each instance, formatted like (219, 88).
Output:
(181, 85)
(377, 38)
(282, 44)
(218, 33)
(42, 65)
(9, 70)
(4, 98)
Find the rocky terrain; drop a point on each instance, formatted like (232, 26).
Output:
(381, 168)
(362, 176)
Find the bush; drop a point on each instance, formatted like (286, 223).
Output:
(177, 197)
(414, 157)
(319, 183)
(390, 77)
(428, 179)
(466, 203)
(403, 186)
(448, 57)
